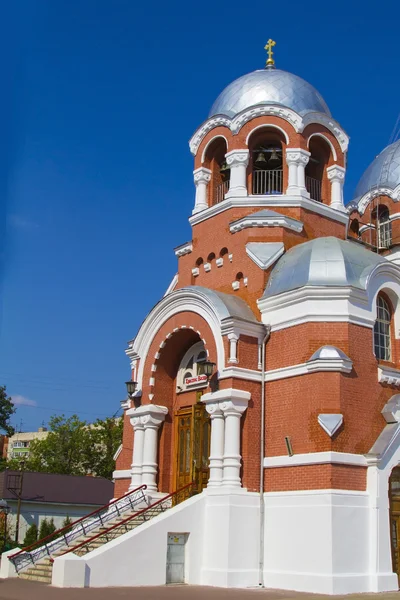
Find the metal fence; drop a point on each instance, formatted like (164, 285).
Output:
(220, 192)
(313, 187)
(267, 182)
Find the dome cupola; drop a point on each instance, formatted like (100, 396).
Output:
(383, 172)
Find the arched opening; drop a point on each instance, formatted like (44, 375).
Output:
(185, 436)
(317, 183)
(381, 219)
(220, 172)
(199, 262)
(223, 252)
(266, 161)
(394, 504)
(355, 228)
(210, 257)
(382, 327)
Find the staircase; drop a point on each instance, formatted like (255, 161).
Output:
(91, 532)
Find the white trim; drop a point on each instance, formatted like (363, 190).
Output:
(320, 492)
(298, 123)
(361, 205)
(327, 140)
(118, 451)
(281, 200)
(240, 373)
(269, 126)
(203, 156)
(232, 394)
(388, 375)
(315, 458)
(266, 264)
(183, 249)
(172, 285)
(123, 474)
(255, 220)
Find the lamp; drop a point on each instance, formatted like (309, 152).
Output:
(131, 387)
(208, 368)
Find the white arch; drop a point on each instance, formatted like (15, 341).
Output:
(210, 142)
(321, 135)
(264, 126)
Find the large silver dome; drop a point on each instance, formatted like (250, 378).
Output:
(326, 261)
(269, 86)
(384, 171)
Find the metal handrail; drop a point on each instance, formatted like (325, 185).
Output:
(268, 182)
(220, 191)
(313, 187)
(45, 546)
(134, 516)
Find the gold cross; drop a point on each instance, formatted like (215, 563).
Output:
(270, 44)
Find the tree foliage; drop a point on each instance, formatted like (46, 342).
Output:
(7, 409)
(31, 535)
(46, 528)
(73, 447)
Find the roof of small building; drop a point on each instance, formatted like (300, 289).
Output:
(326, 261)
(269, 86)
(55, 488)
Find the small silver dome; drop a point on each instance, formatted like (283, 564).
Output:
(325, 261)
(384, 171)
(269, 86)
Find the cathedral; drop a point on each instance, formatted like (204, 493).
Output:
(264, 392)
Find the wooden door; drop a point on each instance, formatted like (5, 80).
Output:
(193, 447)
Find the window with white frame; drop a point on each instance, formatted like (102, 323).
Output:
(382, 330)
(191, 371)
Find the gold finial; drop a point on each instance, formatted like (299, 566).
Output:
(270, 44)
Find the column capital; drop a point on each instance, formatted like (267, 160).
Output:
(297, 156)
(336, 173)
(147, 415)
(202, 175)
(229, 400)
(235, 157)
(213, 409)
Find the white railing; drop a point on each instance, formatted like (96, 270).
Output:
(267, 182)
(313, 187)
(220, 192)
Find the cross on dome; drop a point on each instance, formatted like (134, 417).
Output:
(270, 64)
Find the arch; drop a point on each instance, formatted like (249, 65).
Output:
(327, 140)
(266, 165)
(317, 182)
(211, 257)
(214, 159)
(355, 227)
(239, 276)
(269, 126)
(382, 329)
(223, 252)
(199, 262)
(203, 155)
(383, 227)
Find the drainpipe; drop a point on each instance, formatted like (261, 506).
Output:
(262, 440)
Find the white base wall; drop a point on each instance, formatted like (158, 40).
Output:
(315, 541)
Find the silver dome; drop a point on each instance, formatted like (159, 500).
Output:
(384, 171)
(269, 86)
(325, 261)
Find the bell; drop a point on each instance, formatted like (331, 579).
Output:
(274, 159)
(224, 167)
(260, 158)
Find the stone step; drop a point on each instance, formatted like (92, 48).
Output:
(36, 577)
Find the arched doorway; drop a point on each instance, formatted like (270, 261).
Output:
(394, 503)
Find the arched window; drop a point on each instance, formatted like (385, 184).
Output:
(191, 370)
(266, 161)
(382, 330)
(383, 226)
(220, 171)
(316, 180)
(355, 227)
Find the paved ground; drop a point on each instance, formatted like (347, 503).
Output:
(19, 589)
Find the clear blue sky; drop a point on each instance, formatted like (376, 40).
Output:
(99, 99)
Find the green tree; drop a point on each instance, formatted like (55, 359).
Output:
(67, 521)
(105, 437)
(31, 535)
(7, 409)
(46, 528)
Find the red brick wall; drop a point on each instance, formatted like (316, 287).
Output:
(314, 477)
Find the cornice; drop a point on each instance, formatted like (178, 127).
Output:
(362, 203)
(315, 458)
(298, 123)
(280, 200)
(389, 376)
(183, 249)
(276, 220)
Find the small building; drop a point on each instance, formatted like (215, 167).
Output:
(51, 496)
(19, 443)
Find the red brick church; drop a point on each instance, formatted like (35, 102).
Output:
(268, 373)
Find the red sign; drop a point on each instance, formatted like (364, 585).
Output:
(198, 379)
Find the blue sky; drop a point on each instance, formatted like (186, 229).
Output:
(99, 101)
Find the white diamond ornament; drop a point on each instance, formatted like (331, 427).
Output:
(330, 423)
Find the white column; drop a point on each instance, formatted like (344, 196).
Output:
(148, 419)
(202, 177)
(216, 444)
(232, 458)
(137, 460)
(237, 160)
(297, 159)
(336, 177)
(233, 341)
